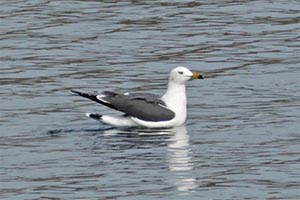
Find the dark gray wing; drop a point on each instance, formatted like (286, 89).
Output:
(147, 107)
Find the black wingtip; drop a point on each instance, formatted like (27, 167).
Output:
(86, 95)
(76, 92)
(93, 97)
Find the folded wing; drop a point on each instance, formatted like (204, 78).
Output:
(146, 107)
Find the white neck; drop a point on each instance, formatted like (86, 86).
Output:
(175, 99)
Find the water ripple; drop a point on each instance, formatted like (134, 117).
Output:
(242, 134)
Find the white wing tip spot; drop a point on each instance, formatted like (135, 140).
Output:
(100, 98)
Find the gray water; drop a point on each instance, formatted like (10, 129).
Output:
(240, 141)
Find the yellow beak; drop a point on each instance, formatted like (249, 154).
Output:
(197, 75)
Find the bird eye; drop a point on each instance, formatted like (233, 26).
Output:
(180, 72)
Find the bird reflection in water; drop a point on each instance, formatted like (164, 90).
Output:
(180, 159)
(179, 154)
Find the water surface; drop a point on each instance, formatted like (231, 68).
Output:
(241, 139)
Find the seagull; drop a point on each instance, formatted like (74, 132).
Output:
(144, 109)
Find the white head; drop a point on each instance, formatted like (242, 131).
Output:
(180, 75)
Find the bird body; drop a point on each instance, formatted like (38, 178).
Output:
(147, 110)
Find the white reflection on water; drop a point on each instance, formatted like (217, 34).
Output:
(180, 159)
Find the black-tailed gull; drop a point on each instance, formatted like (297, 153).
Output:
(148, 110)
